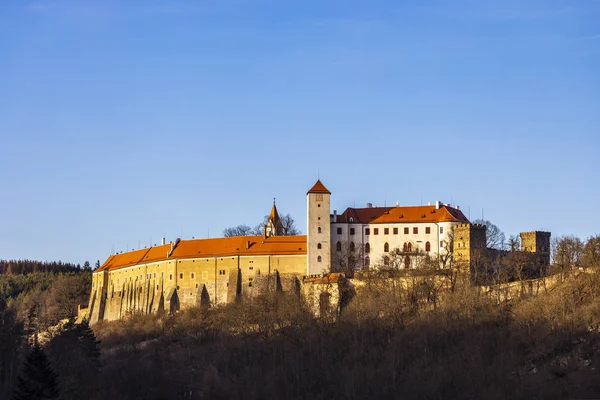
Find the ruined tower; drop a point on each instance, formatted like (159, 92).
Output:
(318, 229)
(537, 242)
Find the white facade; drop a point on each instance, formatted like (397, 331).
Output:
(372, 238)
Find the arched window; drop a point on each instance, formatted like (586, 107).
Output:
(427, 246)
(409, 247)
(338, 246)
(351, 246)
(319, 246)
(407, 262)
(319, 259)
(367, 261)
(405, 247)
(386, 247)
(319, 229)
(367, 248)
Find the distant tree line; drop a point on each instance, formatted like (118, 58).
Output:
(30, 266)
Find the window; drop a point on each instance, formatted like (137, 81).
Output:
(405, 247)
(441, 229)
(338, 246)
(170, 277)
(386, 231)
(192, 275)
(339, 231)
(352, 231)
(427, 246)
(351, 246)
(250, 268)
(367, 261)
(395, 231)
(427, 230)
(386, 247)
(367, 248)
(351, 219)
(319, 259)
(319, 246)
(375, 231)
(180, 276)
(155, 274)
(406, 231)
(367, 231)
(415, 230)
(410, 247)
(319, 229)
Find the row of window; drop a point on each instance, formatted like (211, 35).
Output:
(192, 276)
(386, 231)
(407, 247)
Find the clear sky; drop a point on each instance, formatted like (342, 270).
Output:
(125, 121)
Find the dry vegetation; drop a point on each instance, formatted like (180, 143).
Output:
(383, 346)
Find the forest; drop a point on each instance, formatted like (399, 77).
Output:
(389, 342)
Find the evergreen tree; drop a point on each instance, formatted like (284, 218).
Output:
(37, 380)
(90, 346)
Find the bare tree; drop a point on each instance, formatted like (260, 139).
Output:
(514, 243)
(347, 259)
(494, 236)
(567, 253)
(591, 253)
(288, 225)
(240, 230)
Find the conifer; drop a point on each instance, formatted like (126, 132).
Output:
(37, 381)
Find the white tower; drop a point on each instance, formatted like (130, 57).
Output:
(318, 230)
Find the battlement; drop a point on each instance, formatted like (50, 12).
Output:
(535, 233)
(471, 226)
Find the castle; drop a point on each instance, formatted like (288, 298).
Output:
(210, 272)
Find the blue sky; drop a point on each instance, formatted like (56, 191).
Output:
(123, 122)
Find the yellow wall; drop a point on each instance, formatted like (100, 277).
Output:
(188, 276)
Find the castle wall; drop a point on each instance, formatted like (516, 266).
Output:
(171, 285)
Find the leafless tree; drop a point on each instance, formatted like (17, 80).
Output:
(494, 236)
(567, 253)
(348, 258)
(514, 243)
(240, 230)
(591, 253)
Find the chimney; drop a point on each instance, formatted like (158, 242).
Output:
(437, 205)
(163, 241)
(369, 205)
(334, 216)
(428, 203)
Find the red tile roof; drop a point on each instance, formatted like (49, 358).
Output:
(362, 215)
(319, 188)
(219, 247)
(386, 215)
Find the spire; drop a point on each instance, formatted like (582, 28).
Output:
(273, 225)
(274, 216)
